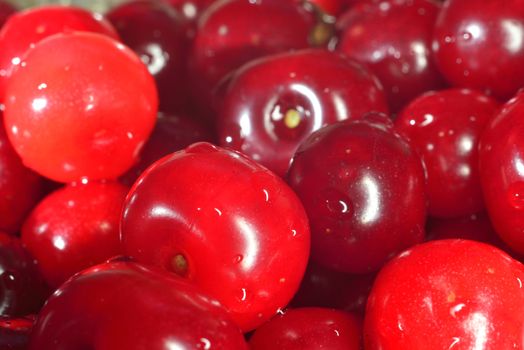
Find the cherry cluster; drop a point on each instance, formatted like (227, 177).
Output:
(262, 174)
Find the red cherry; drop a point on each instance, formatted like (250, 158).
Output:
(123, 305)
(74, 228)
(225, 223)
(14, 333)
(25, 29)
(6, 11)
(444, 127)
(478, 44)
(363, 190)
(309, 328)
(446, 294)
(393, 39)
(81, 105)
(273, 104)
(190, 11)
(502, 172)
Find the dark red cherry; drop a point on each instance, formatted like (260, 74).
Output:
(364, 192)
(20, 188)
(153, 30)
(190, 10)
(501, 157)
(26, 28)
(444, 127)
(6, 10)
(74, 228)
(22, 288)
(273, 104)
(450, 294)
(223, 222)
(14, 332)
(479, 44)
(393, 39)
(123, 305)
(309, 329)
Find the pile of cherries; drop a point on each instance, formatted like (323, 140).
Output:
(263, 174)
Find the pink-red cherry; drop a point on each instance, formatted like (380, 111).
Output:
(309, 329)
(393, 39)
(364, 192)
(74, 228)
(80, 105)
(273, 104)
(445, 295)
(14, 332)
(478, 44)
(123, 305)
(223, 222)
(25, 29)
(444, 127)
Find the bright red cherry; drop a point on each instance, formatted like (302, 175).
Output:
(123, 305)
(271, 105)
(14, 332)
(501, 155)
(26, 28)
(393, 39)
(81, 105)
(223, 222)
(364, 192)
(480, 44)
(444, 127)
(450, 294)
(309, 329)
(74, 228)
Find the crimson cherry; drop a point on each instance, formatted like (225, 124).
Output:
(309, 328)
(223, 222)
(26, 28)
(81, 105)
(354, 178)
(74, 228)
(444, 127)
(14, 332)
(6, 11)
(502, 172)
(447, 294)
(479, 44)
(123, 305)
(393, 39)
(273, 104)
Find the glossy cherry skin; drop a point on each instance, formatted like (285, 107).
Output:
(393, 39)
(74, 228)
(309, 328)
(153, 30)
(273, 104)
(450, 294)
(444, 127)
(20, 188)
(81, 105)
(502, 172)
(225, 223)
(124, 305)
(354, 179)
(14, 332)
(22, 288)
(478, 44)
(26, 28)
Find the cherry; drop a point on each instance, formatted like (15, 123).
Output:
(123, 305)
(502, 172)
(6, 11)
(393, 39)
(14, 332)
(309, 328)
(444, 127)
(20, 188)
(154, 31)
(190, 10)
(478, 44)
(223, 222)
(22, 290)
(81, 105)
(26, 28)
(354, 179)
(273, 104)
(446, 294)
(74, 228)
